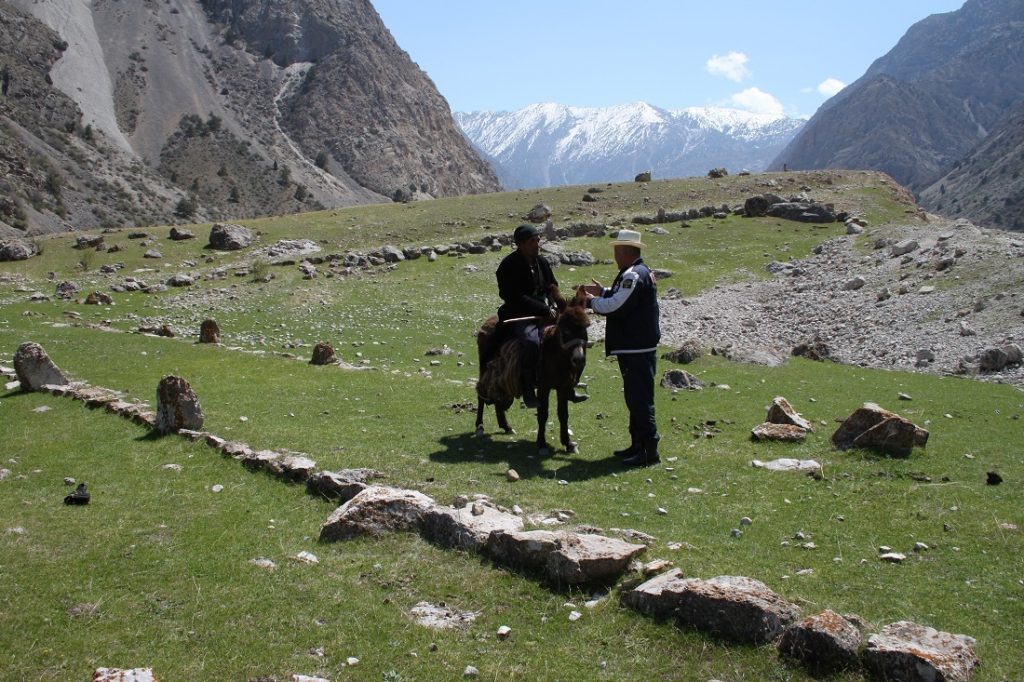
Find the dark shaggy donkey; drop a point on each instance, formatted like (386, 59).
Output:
(563, 355)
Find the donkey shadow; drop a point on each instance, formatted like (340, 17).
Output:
(521, 456)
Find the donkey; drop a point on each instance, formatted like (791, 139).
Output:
(563, 355)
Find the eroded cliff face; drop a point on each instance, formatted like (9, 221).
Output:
(360, 101)
(130, 113)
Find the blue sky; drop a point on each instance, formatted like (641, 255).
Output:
(786, 56)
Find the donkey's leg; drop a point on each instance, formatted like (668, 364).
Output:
(480, 406)
(501, 410)
(543, 399)
(563, 420)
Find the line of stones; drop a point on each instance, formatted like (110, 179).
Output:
(735, 608)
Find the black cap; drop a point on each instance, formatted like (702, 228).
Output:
(525, 232)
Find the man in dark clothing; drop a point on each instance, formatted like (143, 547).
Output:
(524, 284)
(632, 334)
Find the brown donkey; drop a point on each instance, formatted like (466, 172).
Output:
(563, 355)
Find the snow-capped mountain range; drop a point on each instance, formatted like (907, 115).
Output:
(552, 144)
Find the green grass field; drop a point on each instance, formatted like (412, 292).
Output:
(156, 571)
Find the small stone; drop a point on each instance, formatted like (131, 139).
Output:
(470, 671)
(217, 488)
(504, 631)
(746, 521)
(263, 563)
(351, 660)
(736, 533)
(512, 475)
(69, 481)
(903, 396)
(893, 557)
(306, 557)
(921, 547)
(575, 615)
(662, 511)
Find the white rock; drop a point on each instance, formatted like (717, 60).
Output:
(217, 488)
(504, 631)
(575, 616)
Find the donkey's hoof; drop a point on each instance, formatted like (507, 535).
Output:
(510, 431)
(544, 450)
(572, 448)
(479, 431)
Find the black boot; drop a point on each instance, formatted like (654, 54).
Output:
(647, 456)
(628, 452)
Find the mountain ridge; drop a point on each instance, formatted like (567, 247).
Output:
(927, 104)
(549, 143)
(213, 110)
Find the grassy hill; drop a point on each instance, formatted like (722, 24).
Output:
(157, 571)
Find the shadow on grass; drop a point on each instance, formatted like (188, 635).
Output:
(522, 456)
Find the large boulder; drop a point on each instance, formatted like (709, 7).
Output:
(209, 331)
(375, 511)
(658, 597)
(802, 212)
(781, 412)
(227, 237)
(467, 527)
(17, 249)
(916, 653)
(340, 485)
(734, 607)
(177, 406)
(35, 369)
(564, 557)
(873, 427)
(323, 354)
(824, 643)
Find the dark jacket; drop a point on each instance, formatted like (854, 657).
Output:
(523, 293)
(631, 306)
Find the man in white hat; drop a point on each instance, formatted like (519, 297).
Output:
(632, 334)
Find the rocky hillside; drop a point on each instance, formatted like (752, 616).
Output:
(136, 113)
(544, 145)
(927, 104)
(987, 185)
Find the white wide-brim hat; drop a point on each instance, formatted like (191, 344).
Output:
(628, 238)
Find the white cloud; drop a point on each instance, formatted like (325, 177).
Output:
(757, 101)
(733, 66)
(830, 86)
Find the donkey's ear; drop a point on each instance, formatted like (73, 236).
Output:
(580, 298)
